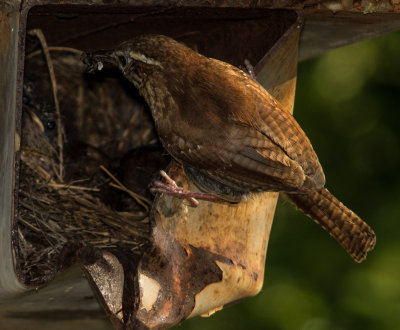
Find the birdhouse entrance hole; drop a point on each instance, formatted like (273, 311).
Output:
(104, 120)
(86, 144)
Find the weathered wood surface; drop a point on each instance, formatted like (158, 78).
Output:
(9, 24)
(328, 24)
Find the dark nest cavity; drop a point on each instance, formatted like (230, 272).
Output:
(85, 163)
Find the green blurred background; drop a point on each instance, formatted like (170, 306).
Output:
(348, 103)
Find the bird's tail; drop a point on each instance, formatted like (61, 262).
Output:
(356, 237)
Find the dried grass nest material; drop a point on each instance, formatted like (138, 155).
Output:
(101, 121)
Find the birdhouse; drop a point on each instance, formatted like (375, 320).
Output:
(81, 235)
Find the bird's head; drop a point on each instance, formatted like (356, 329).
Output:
(140, 57)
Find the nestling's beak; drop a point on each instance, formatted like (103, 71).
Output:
(97, 60)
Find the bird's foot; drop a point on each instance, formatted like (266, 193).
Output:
(170, 187)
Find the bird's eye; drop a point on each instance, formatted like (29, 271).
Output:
(25, 99)
(122, 60)
(51, 125)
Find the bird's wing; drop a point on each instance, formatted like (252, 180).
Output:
(259, 164)
(237, 132)
(280, 126)
(265, 114)
(247, 159)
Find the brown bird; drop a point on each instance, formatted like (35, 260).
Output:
(229, 133)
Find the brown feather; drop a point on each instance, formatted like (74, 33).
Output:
(356, 237)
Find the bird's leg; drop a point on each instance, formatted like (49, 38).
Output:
(249, 68)
(170, 187)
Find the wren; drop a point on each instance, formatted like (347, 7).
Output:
(231, 136)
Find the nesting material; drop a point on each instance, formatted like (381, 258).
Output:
(77, 188)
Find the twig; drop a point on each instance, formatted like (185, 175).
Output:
(39, 34)
(29, 225)
(66, 186)
(36, 167)
(36, 217)
(57, 49)
(139, 199)
(54, 168)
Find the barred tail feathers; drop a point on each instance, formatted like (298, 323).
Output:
(356, 237)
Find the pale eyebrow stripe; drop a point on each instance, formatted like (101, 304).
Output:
(144, 59)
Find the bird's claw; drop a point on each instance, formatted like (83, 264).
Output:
(171, 188)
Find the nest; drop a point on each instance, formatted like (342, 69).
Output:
(88, 153)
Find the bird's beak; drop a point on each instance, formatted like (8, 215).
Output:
(97, 60)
